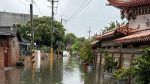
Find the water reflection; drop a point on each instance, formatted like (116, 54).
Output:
(67, 71)
(10, 76)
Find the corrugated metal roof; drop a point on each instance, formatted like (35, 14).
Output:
(8, 30)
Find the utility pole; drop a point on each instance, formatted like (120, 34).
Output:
(32, 34)
(52, 2)
(32, 41)
(52, 26)
(31, 20)
(89, 32)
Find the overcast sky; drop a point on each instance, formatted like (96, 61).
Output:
(95, 15)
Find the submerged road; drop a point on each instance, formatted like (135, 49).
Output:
(66, 71)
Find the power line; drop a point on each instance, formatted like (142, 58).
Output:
(22, 2)
(80, 9)
(27, 1)
(37, 7)
(57, 7)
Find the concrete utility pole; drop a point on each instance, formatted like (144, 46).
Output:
(52, 2)
(52, 26)
(31, 20)
(89, 32)
(32, 34)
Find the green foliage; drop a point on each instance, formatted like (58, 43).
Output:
(109, 62)
(143, 65)
(43, 29)
(77, 45)
(111, 26)
(120, 74)
(70, 38)
(86, 52)
(140, 69)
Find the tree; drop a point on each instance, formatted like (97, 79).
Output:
(110, 64)
(86, 52)
(77, 45)
(111, 26)
(70, 38)
(43, 29)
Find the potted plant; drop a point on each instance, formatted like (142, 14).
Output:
(86, 54)
(121, 76)
(110, 64)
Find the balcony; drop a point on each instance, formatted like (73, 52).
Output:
(8, 30)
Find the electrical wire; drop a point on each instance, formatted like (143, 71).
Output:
(79, 9)
(22, 3)
(37, 7)
(58, 3)
(27, 1)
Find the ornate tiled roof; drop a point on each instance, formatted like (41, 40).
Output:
(105, 35)
(124, 29)
(139, 36)
(127, 3)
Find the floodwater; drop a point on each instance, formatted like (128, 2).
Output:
(67, 71)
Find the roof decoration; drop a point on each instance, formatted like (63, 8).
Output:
(127, 3)
(124, 29)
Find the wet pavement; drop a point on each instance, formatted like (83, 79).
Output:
(67, 71)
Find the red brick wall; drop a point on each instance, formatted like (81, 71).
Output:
(2, 77)
(1, 57)
(12, 45)
(13, 51)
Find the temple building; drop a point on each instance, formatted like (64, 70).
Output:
(125, 41)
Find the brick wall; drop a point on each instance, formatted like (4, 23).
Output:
(1, 57)
(2, 77)
(13, 51)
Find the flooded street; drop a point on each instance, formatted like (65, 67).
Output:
(66, 71)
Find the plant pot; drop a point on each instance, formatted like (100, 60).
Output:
(90, 67)
(123, 81)
(85, 65)
(108, 75)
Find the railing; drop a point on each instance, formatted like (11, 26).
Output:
(8, 31)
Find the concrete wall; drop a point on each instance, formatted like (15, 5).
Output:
(140, 20)
(8, 19)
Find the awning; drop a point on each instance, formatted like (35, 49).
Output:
(140, 36)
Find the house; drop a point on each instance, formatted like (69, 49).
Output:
(125, 41)
(9, 18)
(9, 46)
